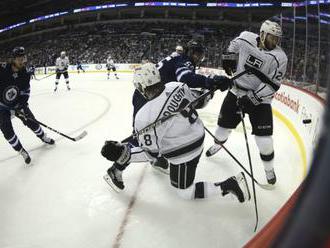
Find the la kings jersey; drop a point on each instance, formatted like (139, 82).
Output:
(177, 139)
(110, 63)
(62, 64)
(271, 63)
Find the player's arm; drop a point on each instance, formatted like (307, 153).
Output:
(57, 63)
(187, 75)
(67, 64)
(123, 153)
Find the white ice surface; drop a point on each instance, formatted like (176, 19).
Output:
(62, 200)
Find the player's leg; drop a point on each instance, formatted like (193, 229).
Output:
(228, 119)
(115, 72)
(66, 76)
(58, 75)
(9, 134)
(108, 74)
(183, 175)
(78, 69)
(261, 119)
(35, 127)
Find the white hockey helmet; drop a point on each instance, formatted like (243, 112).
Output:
(269, 27)
(179, 49)
(63, 53)
(145, 76)
(273, 28)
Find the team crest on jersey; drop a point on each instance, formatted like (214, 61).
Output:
(255, 62)
(10, 94)
(189, 65)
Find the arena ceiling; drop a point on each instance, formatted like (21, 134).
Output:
(15, 11)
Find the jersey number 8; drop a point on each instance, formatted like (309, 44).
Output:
(147, 140)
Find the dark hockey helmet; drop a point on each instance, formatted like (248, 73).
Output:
(195, 51)
(18, 52)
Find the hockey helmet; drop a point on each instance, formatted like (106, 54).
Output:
(18, 52)
(145, 76)
(269, 27)
(194, 46)
(195, 51)
(179, 49)
(63, 53)
(273, 28)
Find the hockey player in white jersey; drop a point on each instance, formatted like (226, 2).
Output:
(62, 65)
(179, 139)
(111, 66)
(253, 92)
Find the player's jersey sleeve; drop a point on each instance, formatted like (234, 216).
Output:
(185, 73)
(241, 40)
(57, 63)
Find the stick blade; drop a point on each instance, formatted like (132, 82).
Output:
(80, 136)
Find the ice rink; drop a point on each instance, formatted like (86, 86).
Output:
(63, 201)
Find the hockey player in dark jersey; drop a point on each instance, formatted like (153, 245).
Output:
(14, 96)
(79, 66)
(181, 68)
(32, 70)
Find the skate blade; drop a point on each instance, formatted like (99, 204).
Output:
(210, 152)
(111, 184)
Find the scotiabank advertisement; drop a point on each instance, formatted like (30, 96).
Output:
(304, 110)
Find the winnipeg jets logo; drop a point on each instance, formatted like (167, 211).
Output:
(10, 94)
(189, 65)
(15, 75)
(255, 62)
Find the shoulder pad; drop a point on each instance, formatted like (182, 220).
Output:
(279, 54)
(249, 36)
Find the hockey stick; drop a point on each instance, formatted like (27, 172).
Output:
(251, 169)
(79, 137)
(39, 79)
(263, 186)
(191, 104)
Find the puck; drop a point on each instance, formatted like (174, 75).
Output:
(307, 121)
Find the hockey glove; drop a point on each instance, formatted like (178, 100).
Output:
(248, 101)
(229, 62)
(20, 112)
(117, 152)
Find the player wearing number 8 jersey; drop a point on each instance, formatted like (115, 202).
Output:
(179, 139)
